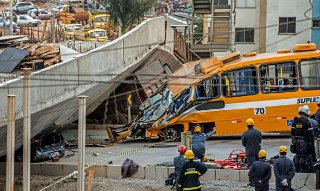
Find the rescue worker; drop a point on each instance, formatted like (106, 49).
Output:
(191, 172)
(178, 162)
(251, 140)
(260, 172)
(316, 132)
(198, 143)
(302, 140)
(314, 123)
(284, 171)
(317, 115)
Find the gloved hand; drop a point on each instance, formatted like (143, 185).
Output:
(284, 182)
(258, 183)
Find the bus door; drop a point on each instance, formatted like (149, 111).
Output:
(206, 94)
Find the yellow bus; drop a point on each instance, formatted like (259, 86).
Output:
(220, 93)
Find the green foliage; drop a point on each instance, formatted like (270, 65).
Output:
(128, 12)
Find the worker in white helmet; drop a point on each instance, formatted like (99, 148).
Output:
(317, 115)
(302, 140)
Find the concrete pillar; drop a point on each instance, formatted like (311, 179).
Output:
(189, 140)
(11, 119)
(183, 138)
(26, 130)
(315, 31)
(205, 39)
(262, 26)
(81, 142)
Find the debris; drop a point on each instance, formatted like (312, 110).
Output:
(11, 57)
(43, 55)
(27, 55)
(95, 154)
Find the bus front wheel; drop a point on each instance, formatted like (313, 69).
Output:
(171, 134)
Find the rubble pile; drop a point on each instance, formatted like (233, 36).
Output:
(44, 54)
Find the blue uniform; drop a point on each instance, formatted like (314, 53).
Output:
(178, 162)
(190, 174)
(251, 140)
(199, 144)
(317, 116)
(260, 174)
(303, 140)
(283, 169)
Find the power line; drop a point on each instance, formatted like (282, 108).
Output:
(168, 42)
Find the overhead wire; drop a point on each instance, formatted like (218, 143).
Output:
(151, 44)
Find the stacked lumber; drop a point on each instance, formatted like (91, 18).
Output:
(45, 53)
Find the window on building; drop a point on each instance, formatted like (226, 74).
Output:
(244, 35)
(287, 25)
(279, 77)
(316, 23)
(309, 74)
(240, 82)
(208, 88)
(246, 3)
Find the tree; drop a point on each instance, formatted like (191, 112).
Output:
(128, 12)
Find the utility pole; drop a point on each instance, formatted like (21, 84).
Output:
(11, 119)
(81, 141)
(26, 130)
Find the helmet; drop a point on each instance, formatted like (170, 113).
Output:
(189, 154)
(283, 149)
(318, 102)
(262, 153)
(197, 129)
(250, 121)
(182, 149)
(303, 110)
(308, 109)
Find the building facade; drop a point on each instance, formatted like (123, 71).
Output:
(270, 25)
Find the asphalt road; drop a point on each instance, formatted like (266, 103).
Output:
(215, 149)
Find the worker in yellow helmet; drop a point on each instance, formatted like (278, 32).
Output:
(198, 142)
(190, 173)
(284, 170)
(251, 140)
(260, 173)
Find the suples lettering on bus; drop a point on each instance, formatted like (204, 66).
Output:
(308, 100)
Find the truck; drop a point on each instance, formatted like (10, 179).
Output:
(73, 14)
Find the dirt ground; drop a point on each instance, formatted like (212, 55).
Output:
(128, 184)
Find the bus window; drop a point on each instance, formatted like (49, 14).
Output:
(240, 82)
(208, 88)
(279, 77)
(310, 74)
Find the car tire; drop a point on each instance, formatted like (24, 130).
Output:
(30, 24)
